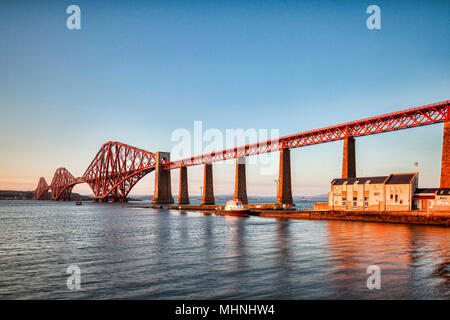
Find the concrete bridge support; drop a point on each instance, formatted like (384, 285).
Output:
(163, 189)
(445, 164)
(284, 194)
(183, 193)
(349, 158)
(240, 185)
(208, 190)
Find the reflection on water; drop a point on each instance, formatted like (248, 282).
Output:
(283, 267)
(408, 256)
(155, 254)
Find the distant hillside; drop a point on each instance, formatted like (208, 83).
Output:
(318, 197)
(29, 195)
(16, 195)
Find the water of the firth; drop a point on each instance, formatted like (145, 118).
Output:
(128, 253)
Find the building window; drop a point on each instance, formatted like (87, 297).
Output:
(392, 196)
(418, 204)
(396, 197)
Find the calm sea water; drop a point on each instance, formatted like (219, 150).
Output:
(128, 253)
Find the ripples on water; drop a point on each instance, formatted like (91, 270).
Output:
(127, 253)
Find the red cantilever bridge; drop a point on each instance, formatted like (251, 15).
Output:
(117, 167)
(113, 172)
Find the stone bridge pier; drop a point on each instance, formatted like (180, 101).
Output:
(284, 193)
(445, 163)
(208, 189)
(349, 158)
(240, 184)
(163, 190)
(183, 193)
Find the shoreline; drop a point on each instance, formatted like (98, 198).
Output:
(408, 217)
(271, 211)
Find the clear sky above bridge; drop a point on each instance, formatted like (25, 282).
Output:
(136, 72)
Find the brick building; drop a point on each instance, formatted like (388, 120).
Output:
(432, 199)
(386, 193)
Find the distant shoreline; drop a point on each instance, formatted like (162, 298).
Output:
(29, 195)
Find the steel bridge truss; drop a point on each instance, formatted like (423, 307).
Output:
(42, 189)
(117, 167)
(113, 172)
(414, 117)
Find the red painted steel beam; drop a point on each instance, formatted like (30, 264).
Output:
(62, 183)
(409, 118)
(116, 168)
(113, 172)
(41, 190)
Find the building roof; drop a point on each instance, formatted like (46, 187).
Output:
(426, 190)
(395, 178)
(361, 180)
(438, 191)
(443, 191)
(401, 178)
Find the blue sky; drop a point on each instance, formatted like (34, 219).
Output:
(136, 71)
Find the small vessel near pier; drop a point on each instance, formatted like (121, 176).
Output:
(233, 208)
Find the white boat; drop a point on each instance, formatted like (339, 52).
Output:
(233, 207)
